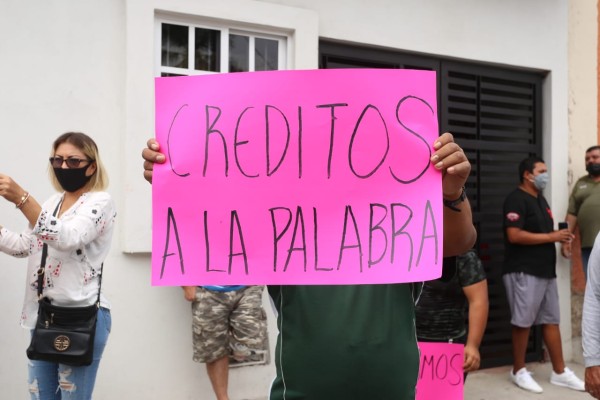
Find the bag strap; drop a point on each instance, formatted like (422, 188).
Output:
(42, 270)
(99, 285)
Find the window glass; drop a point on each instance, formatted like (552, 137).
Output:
(191, 49)
(207, 50)
(174, 49)
(266, 54)
(239, 53)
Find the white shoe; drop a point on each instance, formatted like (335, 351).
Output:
(567, 379)
(524, 380)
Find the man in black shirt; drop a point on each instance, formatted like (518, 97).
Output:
(529, 274)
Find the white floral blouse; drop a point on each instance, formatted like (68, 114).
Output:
(78, 243)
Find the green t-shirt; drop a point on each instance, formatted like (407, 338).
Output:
(345, 342)
(584, 203)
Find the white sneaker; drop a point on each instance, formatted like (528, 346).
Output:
(524, 380)
(567, 379)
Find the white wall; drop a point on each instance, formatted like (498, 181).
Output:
(88, 65)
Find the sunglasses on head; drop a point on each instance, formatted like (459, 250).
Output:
(57, 162)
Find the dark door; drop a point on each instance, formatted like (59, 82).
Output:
(495, 115)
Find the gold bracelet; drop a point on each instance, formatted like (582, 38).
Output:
(24, 199)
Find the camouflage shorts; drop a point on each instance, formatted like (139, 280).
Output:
(228, 323)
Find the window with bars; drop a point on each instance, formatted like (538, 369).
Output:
(189, 49)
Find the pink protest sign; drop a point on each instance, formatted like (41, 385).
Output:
(440, 371)
(297, 177)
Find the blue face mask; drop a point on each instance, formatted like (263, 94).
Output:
(540, 181)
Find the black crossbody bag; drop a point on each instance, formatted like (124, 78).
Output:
(63, 334)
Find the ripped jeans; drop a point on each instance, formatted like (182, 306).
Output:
(53, 381)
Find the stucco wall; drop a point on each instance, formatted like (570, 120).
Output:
(583, 88)
(583, 128)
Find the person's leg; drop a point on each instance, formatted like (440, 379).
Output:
(561, 375)
(248, 324)
(549, 317)
(551, 334)
(524, 299)
(77, 383)
(210, 324)
(43, 380)
(520, 338)
(218, 373)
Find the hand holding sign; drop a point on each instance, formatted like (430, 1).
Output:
(332, 185)
(451, 160)
(151, 154)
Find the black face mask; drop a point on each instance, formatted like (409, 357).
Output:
(72, 179)
(593, 169)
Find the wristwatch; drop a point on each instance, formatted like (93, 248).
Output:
(452, 204)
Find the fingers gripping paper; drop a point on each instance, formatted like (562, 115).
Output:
(297, 177)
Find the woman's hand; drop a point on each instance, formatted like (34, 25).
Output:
(10, 190)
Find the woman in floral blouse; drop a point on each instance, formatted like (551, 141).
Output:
(77, 225)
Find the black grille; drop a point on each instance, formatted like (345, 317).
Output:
(495, 115)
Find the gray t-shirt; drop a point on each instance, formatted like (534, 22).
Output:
(591, 310)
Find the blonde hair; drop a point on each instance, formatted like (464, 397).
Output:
(99, 180)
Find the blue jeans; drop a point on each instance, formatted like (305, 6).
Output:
(585, 258)
(54, 381)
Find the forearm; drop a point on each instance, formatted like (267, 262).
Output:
(477, 297)
(522, 237)
(459, 232)
(478, 315)
(572, 222)
(26, 204)
(15, 244)
(31, 209)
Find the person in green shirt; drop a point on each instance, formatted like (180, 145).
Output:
(584, 207)
(358, 341)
